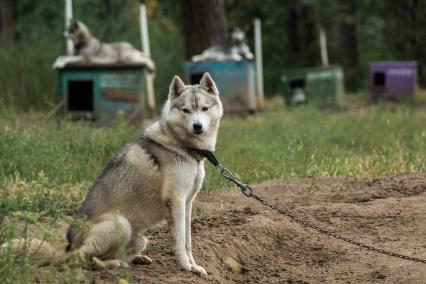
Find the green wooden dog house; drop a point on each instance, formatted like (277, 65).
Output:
(102, 92)
(319, 86)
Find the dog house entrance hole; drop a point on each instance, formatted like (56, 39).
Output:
(379, 79)
(300, 83)
(298, 93)
(80, 95)
(195, 78)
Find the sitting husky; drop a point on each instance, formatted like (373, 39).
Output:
(89, 49)
(155, 178)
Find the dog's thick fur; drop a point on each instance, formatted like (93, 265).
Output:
(153, 179)
(89, 49)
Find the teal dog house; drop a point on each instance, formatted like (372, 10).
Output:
(102, 92)
(236, 81)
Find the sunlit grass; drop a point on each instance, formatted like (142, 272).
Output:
(49, 165)
(308, 142)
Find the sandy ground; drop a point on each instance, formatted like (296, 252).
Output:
(238, 240)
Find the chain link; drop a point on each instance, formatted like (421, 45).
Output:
(247, 190)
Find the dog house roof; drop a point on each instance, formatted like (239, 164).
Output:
(393, 64)
(104, 66)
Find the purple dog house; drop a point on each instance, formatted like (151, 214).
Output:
(393, 79)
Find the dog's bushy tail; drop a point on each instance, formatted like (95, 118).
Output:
(40, 252)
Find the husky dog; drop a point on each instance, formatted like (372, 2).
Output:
(239, 44)
(155, 178)
(236, 49)
(89, 49)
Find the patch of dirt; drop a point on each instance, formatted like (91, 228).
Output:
(239, 240)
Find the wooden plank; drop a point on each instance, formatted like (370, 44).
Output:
(120, 95)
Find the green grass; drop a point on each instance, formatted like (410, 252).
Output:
(307, 142)
(47, 166)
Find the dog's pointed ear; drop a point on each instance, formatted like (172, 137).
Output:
(176, 87)
(208, 84)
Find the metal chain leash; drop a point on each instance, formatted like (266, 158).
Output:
(247, 190)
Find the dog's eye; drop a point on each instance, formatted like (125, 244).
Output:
(205, 109)
(185, 110)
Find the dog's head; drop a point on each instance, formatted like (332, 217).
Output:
(238, 36)
(78, 32)
(193, 112)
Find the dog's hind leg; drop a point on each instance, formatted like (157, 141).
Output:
(111, 263)
(137, 246)
(105, 239)
(139, 243)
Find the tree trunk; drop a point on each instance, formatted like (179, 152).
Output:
(349, 41)
(8, 13)
(105, 9)
(344, 41)
(204, 25)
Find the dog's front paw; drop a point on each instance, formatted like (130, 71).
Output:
(198, 270)
(150, 66)
(141, 260)
(59, 64)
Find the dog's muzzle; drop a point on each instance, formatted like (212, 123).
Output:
(198, 128)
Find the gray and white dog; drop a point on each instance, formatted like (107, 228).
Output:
(153, 179)
(89, 49)
(236, 49)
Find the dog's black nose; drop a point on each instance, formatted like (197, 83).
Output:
(198, 128)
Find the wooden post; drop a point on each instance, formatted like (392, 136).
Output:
(323, 47)
(68, 17)
(259, 64)
(145, 47)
